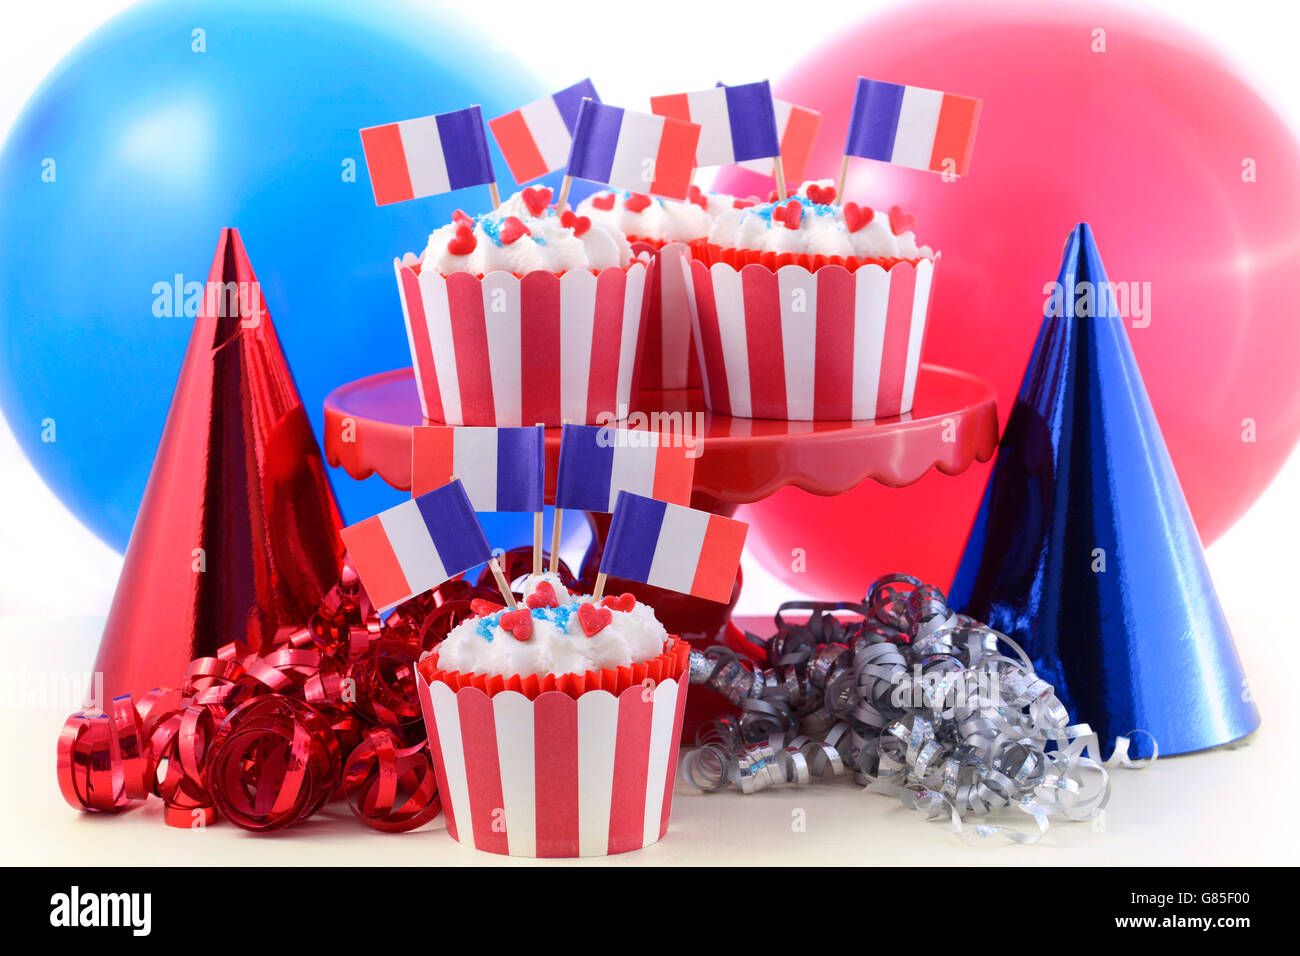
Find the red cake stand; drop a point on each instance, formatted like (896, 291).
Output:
(952, 424)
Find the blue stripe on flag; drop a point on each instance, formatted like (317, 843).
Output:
(586, 469)
(633, 536)
(595, 138)
(752, 117)
(465, 148)
(454, 528)
(521, 469)
(874, 121)
(569, 101)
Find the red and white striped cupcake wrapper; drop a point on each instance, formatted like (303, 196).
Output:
(559, 776)
(668, 357)
(825, 345)
(501, 349)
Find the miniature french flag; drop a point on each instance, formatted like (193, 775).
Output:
(535, 139)
(502, 469)
(630, 150)
(797, 128)
(672, 547)
(417, 545)
(736, 122)
(911, 126)
(596, 462)
(426, 156)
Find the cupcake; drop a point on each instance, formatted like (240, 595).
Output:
(521, 316)
(555, 726)
(810, 310)
(662, 227)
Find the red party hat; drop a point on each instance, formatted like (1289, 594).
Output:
(237, 534)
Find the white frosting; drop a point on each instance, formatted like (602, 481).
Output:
(531, 582)
(822, 231)
(549, 246)
(557, 645)
(663, 220)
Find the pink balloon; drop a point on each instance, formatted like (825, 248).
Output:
(1191, 183)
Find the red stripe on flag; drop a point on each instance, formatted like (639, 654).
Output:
(606, 344)
(797, 142)
(683, 684)
(478, 732)
(898, 328)
(539, 337)
(381, 573)
(433, 457)
(833, 374)
(675, 161)
(714, 372)
(555, 763)
(763, 342)
(631, 770)
(469, 340)
(423, 356)
(674, 473)
(435, 749)
(715, 575)
(676, 105)
(518, 146)
(955, 136)
(386, 160)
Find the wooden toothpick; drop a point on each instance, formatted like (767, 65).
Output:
(844, 175)
(502, 584)
(600, 588)
(780, 178)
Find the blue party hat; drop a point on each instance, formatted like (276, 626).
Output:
(1084, 550)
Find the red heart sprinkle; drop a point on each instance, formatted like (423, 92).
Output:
(482, 608)
(519, 623)
(594, 619)
(571, 220)
(543, 596)
(821, 195)
(513, 229)
(463, 243)
(636, 202)
(696, 195)
(900, 221)
(791, 214)
(624, 602)
(460, 215)
(603, 202)
(855, 216)
(537, 198)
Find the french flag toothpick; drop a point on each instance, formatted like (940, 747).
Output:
(502, 469)
(535, 139)
(911, 126)
(797, 127)
(596, 462)
(669, 546)
(416, 545)
(736, 122)
(428, 155)
(626, 149)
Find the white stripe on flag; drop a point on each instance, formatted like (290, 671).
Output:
(661, 744)
(597, 739)
(425, 163)
(505, 343)
(437, 315)
(798, 289)
(446, 715)
(548, 131)
(636, 151)
(513, 714)
(577, 306)
(633, 468)
(413, 546)
(476, 465)
(729, 296)
(918, 119)
(921, 298)
(709, 109)
(871, 305)
(677, 552)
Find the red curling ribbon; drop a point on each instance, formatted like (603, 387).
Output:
(390, 787)
(384, 684)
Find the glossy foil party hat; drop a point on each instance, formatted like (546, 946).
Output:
(237, 534)
(1084, 550)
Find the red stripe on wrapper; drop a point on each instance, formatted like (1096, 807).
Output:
(675, 161)
(433, 458)
(717, 391)
(683, 685)
(386, 160)
(482, 771)
(372, 553)
(423, 357)
(898, 327)
(435, 750)
(539, 336)
(650, 359)
(518, 147)
(715, 575)
(631, 769)
(469, 340)
(833, 377)
(606, 345)
(555, 749)
(763, 343)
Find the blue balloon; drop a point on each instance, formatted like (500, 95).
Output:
(168, 124)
